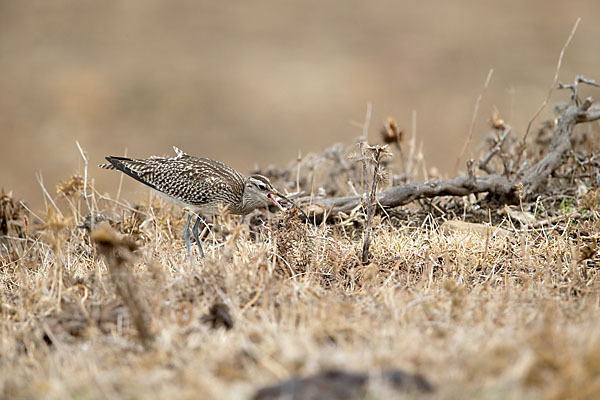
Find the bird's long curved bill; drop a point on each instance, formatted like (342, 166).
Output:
(274, 201)
(272, 198)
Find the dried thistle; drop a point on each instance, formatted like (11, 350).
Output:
(73, 185)
(55, 229)
(109, 240)
(391, 132)
(12, 214)
(371, 155)
(118, 251)
(56, 223)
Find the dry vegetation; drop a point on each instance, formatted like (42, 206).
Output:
(111, 307)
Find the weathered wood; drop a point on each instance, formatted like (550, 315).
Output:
(404, 194)
(533, 178)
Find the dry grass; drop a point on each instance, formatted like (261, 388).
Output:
(122, 313)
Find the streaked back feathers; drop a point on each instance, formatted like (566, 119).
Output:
(190, 180)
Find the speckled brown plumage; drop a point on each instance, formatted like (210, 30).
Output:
(201, 183)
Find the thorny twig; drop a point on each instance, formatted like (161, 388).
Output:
(376, 152)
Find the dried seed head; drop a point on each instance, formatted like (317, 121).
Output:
(73, 185)
(108, 239)
(12, 213)
(56, 222)
(391, 132)
(497, 122)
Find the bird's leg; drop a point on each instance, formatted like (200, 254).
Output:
(186, 235)
(195, 232)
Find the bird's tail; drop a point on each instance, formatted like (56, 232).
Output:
(106, 166)
(116, 163)
(140, 170)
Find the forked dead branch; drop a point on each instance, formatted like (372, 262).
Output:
(504, 185)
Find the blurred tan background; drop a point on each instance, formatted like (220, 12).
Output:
(255, 82)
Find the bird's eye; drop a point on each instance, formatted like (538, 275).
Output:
(262, 186)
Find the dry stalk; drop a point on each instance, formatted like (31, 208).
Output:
(474, 118)
(371, 154)
(552, 86)
(118, 254)
(483, 164)
(55, 229)
(85, 181)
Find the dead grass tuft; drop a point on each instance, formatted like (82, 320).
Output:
(108, 304)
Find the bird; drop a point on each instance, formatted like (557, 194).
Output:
(201, 185)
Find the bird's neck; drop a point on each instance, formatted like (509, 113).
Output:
(247, 206)
(242, 210)
(249, 203)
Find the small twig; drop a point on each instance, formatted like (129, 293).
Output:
(90, 207)
(412, 144)
(377, 152)
(40, 180)
(120, 204)
(367, 122)
(253, 300)
(363, 141)
(299, 160)
(520, 195)
(483, 164)
(363, 160)
(85, 179)
(556, 219)
(473, 118)
(574, 87)
(471, 171)
(30, 211)
(545, 102)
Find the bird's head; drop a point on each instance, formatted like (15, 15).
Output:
(258, 191)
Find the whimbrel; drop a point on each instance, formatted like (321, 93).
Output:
(200, 185)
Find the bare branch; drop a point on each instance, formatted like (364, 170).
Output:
(474, 117)
(574, 87)
(483, 164)
(537, 175)
(404, 194)
(554, 81)
(532, 178)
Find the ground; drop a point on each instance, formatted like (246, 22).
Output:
(115, 309)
